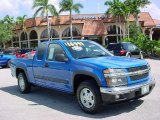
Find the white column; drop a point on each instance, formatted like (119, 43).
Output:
(151, 33)
(103, 40)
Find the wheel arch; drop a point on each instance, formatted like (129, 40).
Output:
(83, 76)
(20, 70)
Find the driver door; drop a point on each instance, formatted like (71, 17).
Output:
(57, 74)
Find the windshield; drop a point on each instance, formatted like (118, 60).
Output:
(86, 49)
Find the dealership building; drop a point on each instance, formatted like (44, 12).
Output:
(97, 27)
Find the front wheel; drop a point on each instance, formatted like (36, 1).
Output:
(24, 85)
(141, 56)
(88, 96)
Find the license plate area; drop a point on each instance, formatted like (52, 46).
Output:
(145, 89)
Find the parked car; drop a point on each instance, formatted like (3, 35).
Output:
(125, 49)
(30, 55)
(22, 53)
(85, 69)
(7, 55)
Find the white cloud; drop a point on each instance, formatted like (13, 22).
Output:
(153, 9)
(8, 7)
(20, 7)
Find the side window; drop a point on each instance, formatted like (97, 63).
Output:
(41, 51)
(54, 49)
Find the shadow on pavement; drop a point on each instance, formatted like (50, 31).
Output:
(67, 103)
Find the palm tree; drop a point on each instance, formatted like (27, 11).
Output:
(126, 11)
(115, 9)
(9, 19)
(21, 21)
(135, 6)
(69, 6)
(44, 8)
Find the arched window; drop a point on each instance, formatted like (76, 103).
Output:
(33, 35)
(114, 34)
(112, 30)
(15, 38)
(75, 31)
(53, 34)
(24, 36)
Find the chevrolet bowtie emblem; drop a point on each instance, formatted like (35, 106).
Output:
(139, 72)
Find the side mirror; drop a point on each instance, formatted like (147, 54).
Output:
(61, 58)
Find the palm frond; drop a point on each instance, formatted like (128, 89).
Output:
(52, 10)
(37, 11)
(39, 3)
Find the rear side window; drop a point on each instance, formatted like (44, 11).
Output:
(114, 47)
(41, 51)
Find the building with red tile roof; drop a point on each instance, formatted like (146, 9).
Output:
(98, 27)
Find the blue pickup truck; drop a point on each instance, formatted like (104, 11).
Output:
(85, 69)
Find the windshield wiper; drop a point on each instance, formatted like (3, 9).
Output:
(101, 55)
(84, 57)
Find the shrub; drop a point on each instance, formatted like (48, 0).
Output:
(157, 52)
(143, 42)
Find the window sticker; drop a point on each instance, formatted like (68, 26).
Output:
(72, 44)
(77, 48)
(51, 53)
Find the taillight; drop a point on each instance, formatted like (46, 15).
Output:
(122, 52)
(17, 55)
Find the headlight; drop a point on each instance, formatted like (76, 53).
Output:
(115, 77)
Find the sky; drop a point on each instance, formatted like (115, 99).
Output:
(24, 7)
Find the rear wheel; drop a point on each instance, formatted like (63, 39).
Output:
(88, 96)
(24, 85)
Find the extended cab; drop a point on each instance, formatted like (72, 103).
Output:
(86, 69)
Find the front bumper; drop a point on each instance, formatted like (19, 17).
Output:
(125, 93)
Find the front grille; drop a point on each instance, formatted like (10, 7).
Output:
(134, 69)
(140, 76)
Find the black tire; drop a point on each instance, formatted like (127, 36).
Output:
(26, 86)
(96, 97)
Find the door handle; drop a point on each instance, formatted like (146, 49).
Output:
(46, 65)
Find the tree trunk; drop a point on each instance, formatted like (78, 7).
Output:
(48, 25)
(71, 24)
(120, 27)
(116, 29)
(127, 25)
(4, 46)
(137, 24)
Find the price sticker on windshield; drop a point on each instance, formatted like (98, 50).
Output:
(72, 44)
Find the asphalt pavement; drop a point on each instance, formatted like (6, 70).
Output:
(46, 104)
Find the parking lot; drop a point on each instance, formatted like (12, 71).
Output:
(45, 104)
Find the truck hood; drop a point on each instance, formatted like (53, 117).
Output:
(114, 62)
